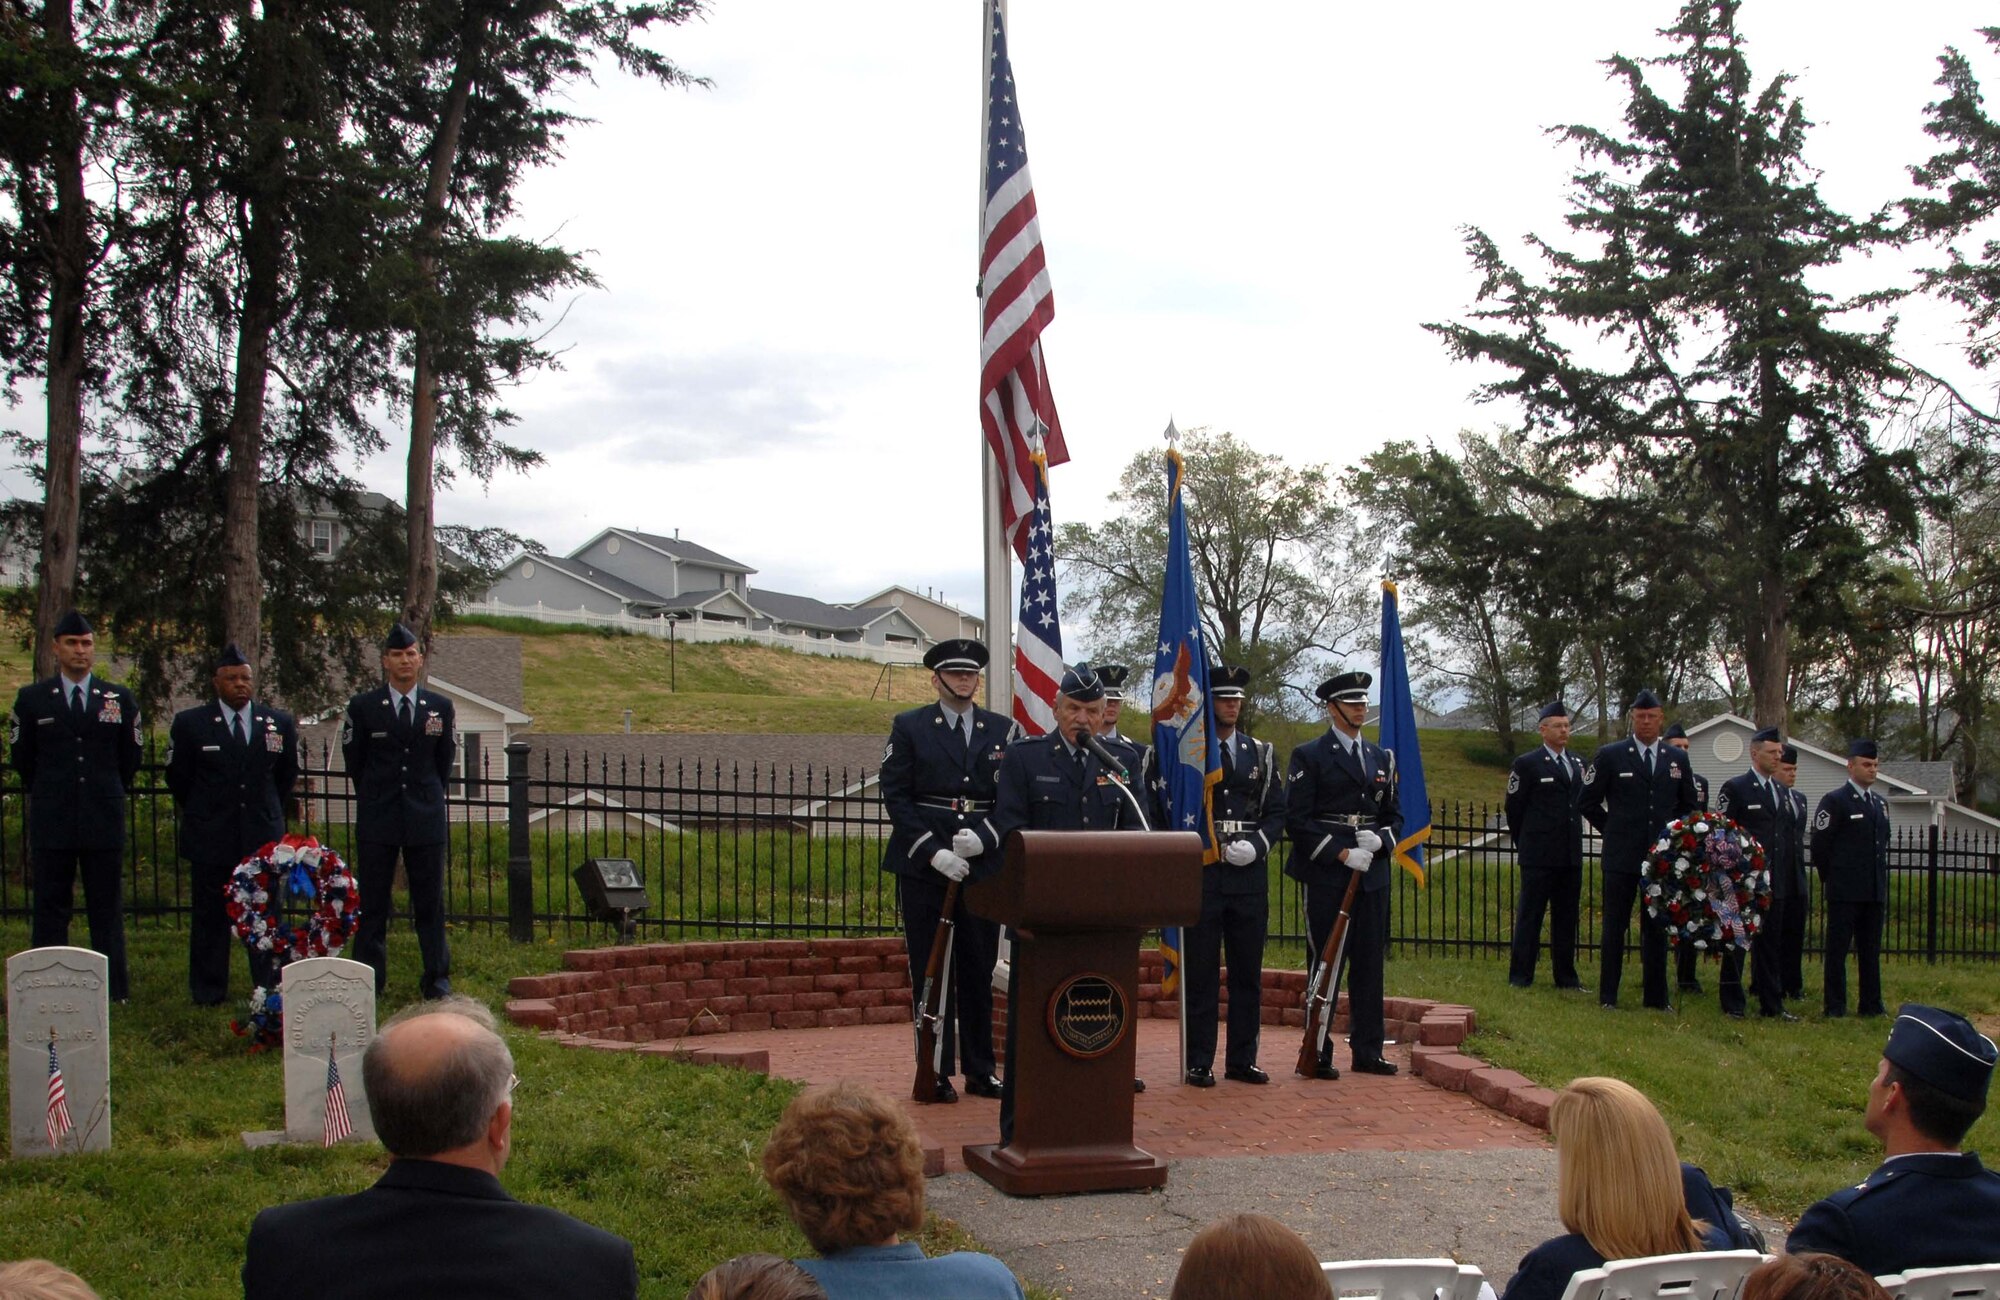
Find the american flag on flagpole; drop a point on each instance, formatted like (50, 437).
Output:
(336, 1125)
(1015, 403)
(1038, 661)
(58, 1112)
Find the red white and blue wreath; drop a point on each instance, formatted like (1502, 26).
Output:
(300, 866)
(1706, 877)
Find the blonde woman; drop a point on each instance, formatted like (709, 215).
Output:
(1618, 1189)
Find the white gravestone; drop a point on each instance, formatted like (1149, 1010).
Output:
(59, 995)
(328, 1000)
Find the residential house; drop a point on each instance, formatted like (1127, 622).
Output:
(940, 620)
(804, 616)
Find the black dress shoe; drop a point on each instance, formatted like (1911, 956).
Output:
(1246, 1074)
(1199, 1076)
(986, 1086)
(1138, 1085)
(946, 1093)
(1324, 1070)
(1374, 1066)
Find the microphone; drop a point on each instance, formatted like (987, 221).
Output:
(1105, 756)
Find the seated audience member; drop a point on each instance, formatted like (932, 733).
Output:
(1249, 1257)
(1810, 1277)
(1618, 1188)
(757, 1277)
(846, 1163)
(437, 1224)
(37, 1279)
(1716, 1206)
(1929, 1204)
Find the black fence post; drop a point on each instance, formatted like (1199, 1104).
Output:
(520, 868)
(1931, 878)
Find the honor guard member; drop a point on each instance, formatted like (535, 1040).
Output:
(1631, 790)
(1686, 956)
(399, 744)
(75, 742)
(1756, 802)
(1930, 1204)
(937, 778)
(1850, 850)
(1342, 814)
(1134, 755)
(1053, 783)
(1249, 811)
(1545, 819)
(231, 766)
(1791, 964)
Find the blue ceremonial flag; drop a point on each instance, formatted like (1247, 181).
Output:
(1399, 737)
(1185, 751)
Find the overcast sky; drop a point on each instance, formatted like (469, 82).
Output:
(1249, 211)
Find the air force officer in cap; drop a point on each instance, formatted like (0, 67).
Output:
(1929, 1204)
(1755, 801)
(1342, 814)
(938, 776)
(399, 743)
(1631, 790)
(1850, 850)
(1545, 819)
(75, 742)
(231, 765)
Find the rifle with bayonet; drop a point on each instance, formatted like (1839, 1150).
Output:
(1323, 990)
(934, 1000)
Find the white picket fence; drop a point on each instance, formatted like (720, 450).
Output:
(702, 630)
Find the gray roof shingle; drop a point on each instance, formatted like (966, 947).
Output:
(681, 550)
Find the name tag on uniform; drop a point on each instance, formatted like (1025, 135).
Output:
(1752, 807)
(378, 735)
(1855, 817)
(211, 749)
(1548, 780)
(43, 722)
(1625, 774)
(1056, 779)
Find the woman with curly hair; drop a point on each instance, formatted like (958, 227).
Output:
(846, 1162)
(1618, 1189)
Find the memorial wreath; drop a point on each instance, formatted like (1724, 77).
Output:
(300, 866)
(1706, 879)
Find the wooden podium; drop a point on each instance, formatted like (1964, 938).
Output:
(1078, 903)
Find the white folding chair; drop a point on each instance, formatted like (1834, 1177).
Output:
(1966, 1282)
(1698, 1275)
(1396, 1279)
(1471, 1282)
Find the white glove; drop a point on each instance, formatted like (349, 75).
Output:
(950, 865)
(1369, 841)
(1239, 853)
(1358, 859)
(967, 844)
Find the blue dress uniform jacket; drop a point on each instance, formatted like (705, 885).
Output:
(1323, 782)
(399, 772)
(1045, 786)
(1545, 817)
(1929, 1210)
(927, 766)
(1630, 810)
(1850, 845)
(76, 774)
(1792, 963)
(231, 797)
(935, 785)
(1248, 805)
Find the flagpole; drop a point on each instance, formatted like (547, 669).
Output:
(999, 563)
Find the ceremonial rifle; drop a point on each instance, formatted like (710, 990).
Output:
(1324, 990)
(931, 1005)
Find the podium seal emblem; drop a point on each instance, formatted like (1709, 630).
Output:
(1088, 1016)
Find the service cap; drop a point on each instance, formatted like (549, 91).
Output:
(959, 654)
(1943, 1049)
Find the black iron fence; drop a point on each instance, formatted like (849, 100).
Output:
(736, 849)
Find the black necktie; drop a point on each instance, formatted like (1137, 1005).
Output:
(403, 712)
(1649, 763)
(76, 704)
(236, 729)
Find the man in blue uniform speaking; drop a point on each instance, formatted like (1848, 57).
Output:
(1928, 1205)
(937, 781)
(1342, 814)
(1545, 819)
(231, 766)
(1850, 850)
(1631, 790)
(1235, 894)
(399, 744)
(75, 742)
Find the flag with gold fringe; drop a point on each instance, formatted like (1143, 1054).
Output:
(1399, 737)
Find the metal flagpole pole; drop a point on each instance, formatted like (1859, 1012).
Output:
(993, 542)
